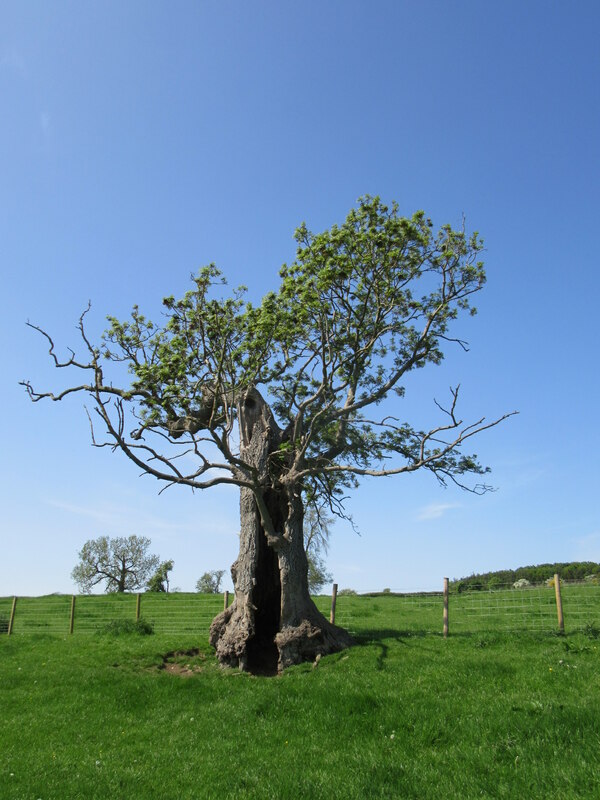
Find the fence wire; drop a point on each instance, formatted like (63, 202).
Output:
(168, 613)
(532, 608)
(505, 609)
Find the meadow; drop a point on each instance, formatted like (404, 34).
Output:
(487, 712)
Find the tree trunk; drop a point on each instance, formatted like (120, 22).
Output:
(272, 623)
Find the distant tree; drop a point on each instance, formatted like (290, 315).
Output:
(123, 564)
(316, 543)
(159, 582)
(318, 574)
(210, 582)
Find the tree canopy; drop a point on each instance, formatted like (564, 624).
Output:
(363, 304)
(123, 564)
(210, 582)
(159, 582)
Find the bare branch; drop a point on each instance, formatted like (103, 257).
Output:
(432, 461)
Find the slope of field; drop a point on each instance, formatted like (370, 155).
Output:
(401, 715)
(569, 571)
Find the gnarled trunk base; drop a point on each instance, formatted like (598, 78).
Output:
(313, 637)
(240, 643)
(272, 622)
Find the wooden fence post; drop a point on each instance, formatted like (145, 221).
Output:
(12, 615)
(226, 601)
(559, 608)
(333, 602)
(446, 607)
(137, 606)
(72, 618)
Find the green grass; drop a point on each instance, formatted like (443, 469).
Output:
(171, 613)
(531, 609)
(404, 714)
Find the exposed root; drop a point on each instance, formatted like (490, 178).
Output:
(230, 633)
(309, 642)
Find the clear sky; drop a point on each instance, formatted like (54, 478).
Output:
(141, 140)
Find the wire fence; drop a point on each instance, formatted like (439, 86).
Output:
(503, 608)
(533, 608)
(85, 614)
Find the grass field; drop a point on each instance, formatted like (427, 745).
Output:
(404, 714)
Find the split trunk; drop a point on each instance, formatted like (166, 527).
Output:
(272, 622)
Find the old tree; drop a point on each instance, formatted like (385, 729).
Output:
(281, 400)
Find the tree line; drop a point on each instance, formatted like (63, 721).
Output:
(568, 571)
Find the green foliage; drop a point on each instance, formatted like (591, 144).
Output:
(159, 582)
(377, 295)
(210, 582)
(4, 622)
(126, 627)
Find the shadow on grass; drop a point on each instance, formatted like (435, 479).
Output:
(378, 634)
(381, 637)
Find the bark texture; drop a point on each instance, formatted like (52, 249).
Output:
(272, 622)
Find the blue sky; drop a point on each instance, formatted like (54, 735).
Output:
(141, 140)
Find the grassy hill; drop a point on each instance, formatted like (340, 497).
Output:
(568, 571)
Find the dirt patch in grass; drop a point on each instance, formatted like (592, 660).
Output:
(183, 663)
